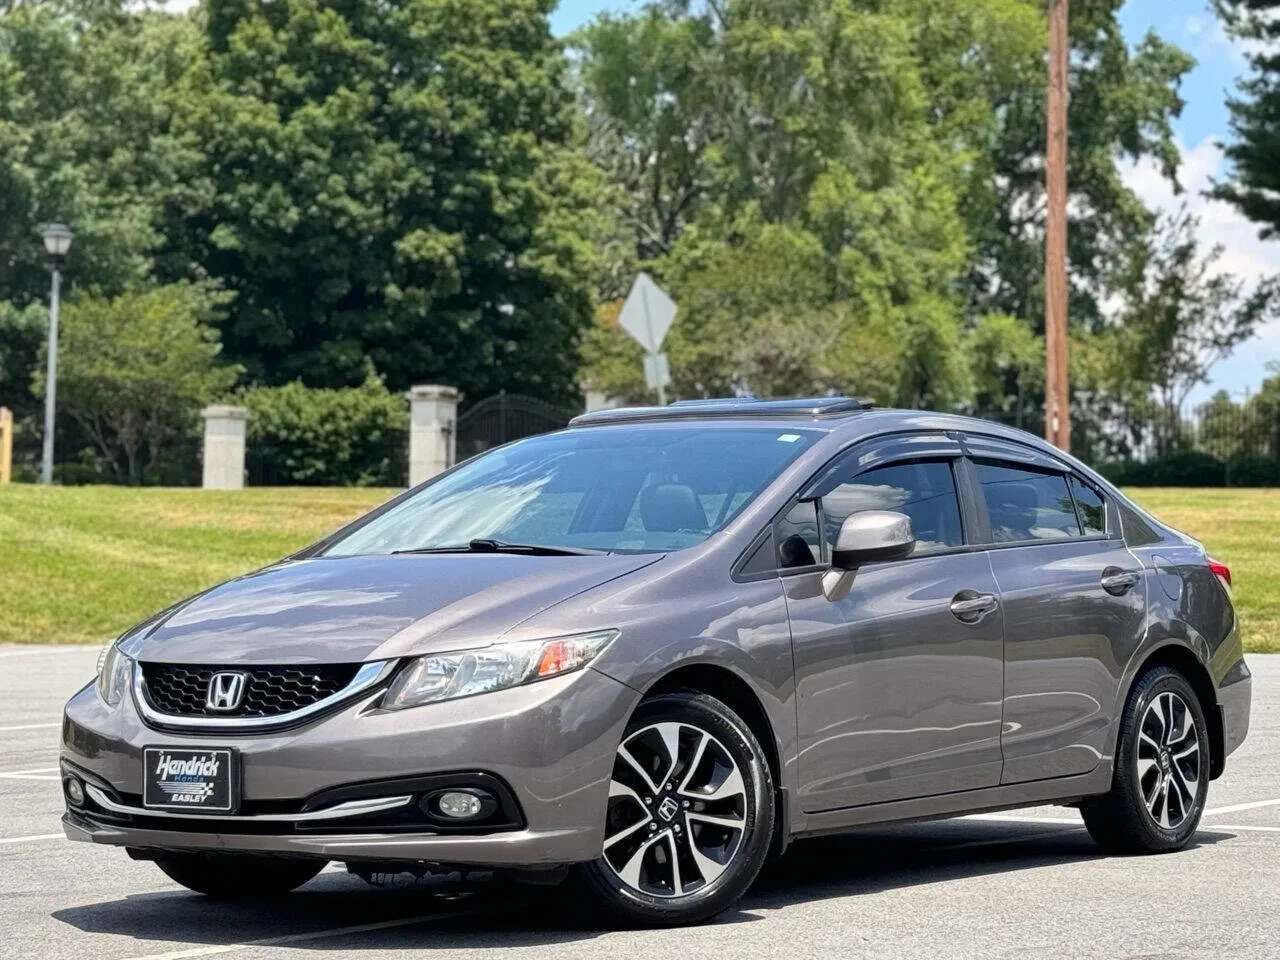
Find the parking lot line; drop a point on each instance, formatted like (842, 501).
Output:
(32, 839)
(1013, 818)
(1245, 827)
(43, 773)
(1239, 807)
(209, 951)
(30, 726)
(45, 651)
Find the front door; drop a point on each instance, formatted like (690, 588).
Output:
(899, 684)
(1074, 602)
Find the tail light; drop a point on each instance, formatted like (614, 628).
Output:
(1222, 572)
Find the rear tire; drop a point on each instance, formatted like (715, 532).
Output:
(226, 876)
(690, 815)
(1162, 764)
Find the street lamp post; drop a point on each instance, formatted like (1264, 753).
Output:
(57, 241)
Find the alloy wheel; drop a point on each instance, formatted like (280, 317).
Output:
(677, 811)
(1168, 759)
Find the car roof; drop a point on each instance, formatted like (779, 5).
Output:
(736, 408)
(842, 417)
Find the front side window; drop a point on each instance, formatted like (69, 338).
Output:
(798, 536)
(617, 489)
(1027, 504)
(924, 491)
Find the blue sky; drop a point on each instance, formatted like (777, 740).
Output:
(1193, 26)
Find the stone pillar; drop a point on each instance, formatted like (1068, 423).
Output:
(598, 400)
(433, 420)
(224, 447)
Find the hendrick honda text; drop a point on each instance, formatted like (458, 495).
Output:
(648, 651)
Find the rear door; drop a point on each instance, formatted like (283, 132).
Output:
(1074, 601)
(898, 688)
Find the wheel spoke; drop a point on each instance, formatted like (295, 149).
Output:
(1194, 748)
(732, 823)
(630, 872)
(1145, 766)
(617, 789)
(1143, 738)
(625, 832)
(677, 885)
(698, 752)
(710, 869)
(1164, 804)
(670, 733)
(624, 751)
(731, 786)
(1186, 795)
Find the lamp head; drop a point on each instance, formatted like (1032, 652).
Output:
(57, 239)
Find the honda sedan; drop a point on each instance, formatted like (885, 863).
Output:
(645, 653)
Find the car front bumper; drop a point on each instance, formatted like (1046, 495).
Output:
(552, 743)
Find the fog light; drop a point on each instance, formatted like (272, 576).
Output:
(459, 805)
(74, 790)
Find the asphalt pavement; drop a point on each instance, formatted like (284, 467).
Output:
(1026, 884)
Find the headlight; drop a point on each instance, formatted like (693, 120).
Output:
(114, 673)
(463, 673)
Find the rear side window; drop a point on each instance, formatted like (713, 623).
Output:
(1027, 504)
(924, 491)
(1092, 511)
(1137, 532)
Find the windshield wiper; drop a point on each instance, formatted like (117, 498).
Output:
(501, 546)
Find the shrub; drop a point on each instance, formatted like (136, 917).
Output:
(351, 437)
(133, 372)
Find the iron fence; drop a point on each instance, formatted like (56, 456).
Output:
(504, 417)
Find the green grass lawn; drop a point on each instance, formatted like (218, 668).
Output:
(81, 564)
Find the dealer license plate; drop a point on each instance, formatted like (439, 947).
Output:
(177, 778)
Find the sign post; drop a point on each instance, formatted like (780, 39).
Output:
(647, 315)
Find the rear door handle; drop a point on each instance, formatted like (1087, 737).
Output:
(1117, 582)
(970, 606)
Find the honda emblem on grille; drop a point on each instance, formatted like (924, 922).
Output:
(226, 691)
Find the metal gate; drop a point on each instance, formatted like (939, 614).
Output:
(505, 417)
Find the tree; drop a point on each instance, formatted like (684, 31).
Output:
(779, 174)
(1183, 314)
(86, 103)
(1254, 188)
(1123, 102)
(135, 369)
(907, 138)
(395, 182)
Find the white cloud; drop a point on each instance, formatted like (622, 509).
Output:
(1244, 254)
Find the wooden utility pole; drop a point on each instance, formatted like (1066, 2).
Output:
(1057, 410)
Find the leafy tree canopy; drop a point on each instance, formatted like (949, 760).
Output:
(1254, 188)
(394, 182)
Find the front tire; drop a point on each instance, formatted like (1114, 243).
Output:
(226, 876)
(690, 814)
(1161, 779)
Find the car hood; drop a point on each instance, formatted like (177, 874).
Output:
(355, 609)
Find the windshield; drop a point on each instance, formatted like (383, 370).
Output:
(635, 489)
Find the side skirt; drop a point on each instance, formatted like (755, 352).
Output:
(1010, 796)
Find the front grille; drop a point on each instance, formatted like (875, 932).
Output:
(181, 690)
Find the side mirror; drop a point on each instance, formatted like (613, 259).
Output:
(872, 535)
(866, 537)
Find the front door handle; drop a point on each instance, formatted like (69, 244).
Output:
(1118, 582)
(969, 606)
